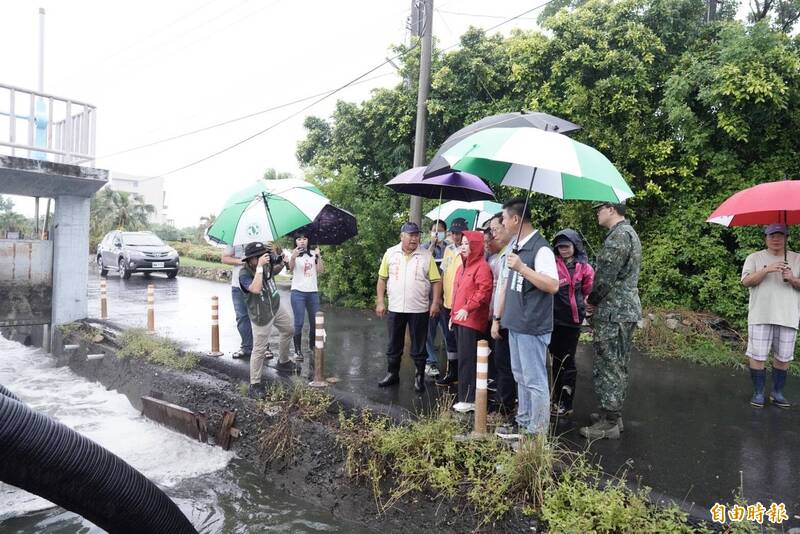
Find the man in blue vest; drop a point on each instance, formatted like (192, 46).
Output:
(526, 309)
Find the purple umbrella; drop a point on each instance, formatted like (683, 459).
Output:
(450, 186)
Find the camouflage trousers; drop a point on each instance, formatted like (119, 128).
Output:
(612, 347)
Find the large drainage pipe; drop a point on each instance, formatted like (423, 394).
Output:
(44, 457)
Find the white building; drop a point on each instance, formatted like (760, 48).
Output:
(151, 189)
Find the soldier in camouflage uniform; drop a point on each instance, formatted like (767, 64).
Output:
(615, 303)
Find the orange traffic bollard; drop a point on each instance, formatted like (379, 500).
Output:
(481, 395)
(319, 353)
(103, 300)
(151, 314)
(215, 327)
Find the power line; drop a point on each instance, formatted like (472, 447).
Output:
(480, 15)
(231, 121)
(331, 93)
(287, 118)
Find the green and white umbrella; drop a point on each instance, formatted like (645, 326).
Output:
(266, 211)
(475, 213)
(540, 161)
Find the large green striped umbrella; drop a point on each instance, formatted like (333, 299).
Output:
(540, 161)
(266, 211)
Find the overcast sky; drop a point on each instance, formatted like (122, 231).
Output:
(159, 68)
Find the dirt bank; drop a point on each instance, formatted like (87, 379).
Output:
(314, 471)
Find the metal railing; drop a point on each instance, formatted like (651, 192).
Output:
(47, 127)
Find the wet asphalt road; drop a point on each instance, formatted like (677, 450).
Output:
(690, 433)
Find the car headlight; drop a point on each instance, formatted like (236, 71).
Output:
(135, 254)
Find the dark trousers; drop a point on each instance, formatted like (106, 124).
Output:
(418, 328)
(504, 378)
(563, 344)
(467, 343)
(242, 320)
(305, 303)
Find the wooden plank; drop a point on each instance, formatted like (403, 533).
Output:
(202, 426)
(171, 415)
(224, 437)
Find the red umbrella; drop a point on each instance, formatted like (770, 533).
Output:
(769, 203)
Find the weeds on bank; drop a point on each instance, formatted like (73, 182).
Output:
(542, 478)
(286, 405)
(700, 338)
(137, 343)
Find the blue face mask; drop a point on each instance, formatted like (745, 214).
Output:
(440, 236)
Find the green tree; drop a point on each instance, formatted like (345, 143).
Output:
(116, 210)
(689, 111)
(11, 221)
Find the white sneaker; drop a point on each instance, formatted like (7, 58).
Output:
(432, 370)
(464, 407)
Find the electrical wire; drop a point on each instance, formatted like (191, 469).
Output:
(231, 121)
(285, 119)
(333, 92)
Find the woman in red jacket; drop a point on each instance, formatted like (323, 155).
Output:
(472, 291)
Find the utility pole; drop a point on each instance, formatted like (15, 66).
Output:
(422, 25)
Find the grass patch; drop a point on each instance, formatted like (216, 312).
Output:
(203, 264)
(137, 343)
(287, 405)
(582, 502)
(698, 337)
(542, 478)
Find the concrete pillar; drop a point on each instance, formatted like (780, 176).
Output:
(70, 259)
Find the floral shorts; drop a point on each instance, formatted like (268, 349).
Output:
(763, 337)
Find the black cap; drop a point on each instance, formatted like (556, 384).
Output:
(410, 228)
(459, 225)
(256, 248)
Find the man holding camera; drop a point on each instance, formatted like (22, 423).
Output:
(257, 281)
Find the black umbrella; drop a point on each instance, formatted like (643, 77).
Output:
(525, 119)
(333, 226)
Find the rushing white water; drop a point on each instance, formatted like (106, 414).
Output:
(218, 493)
(104, 416)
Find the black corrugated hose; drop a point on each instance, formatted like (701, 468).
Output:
(46, 458)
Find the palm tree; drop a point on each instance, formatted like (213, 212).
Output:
(112, 210)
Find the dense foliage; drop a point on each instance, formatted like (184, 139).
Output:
(689, 110)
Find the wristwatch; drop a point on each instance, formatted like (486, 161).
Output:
(496, 318)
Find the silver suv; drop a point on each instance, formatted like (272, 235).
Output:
(136, 252)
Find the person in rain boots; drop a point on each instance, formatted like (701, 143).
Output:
(614, 303)
(451, 261)
(472, 291)
(306, 264)
(409, 276)
(772, 277)
(264, 308)
(575, 279)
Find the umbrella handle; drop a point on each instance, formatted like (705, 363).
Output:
(524, 211)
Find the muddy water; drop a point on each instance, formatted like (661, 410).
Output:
(214, 489)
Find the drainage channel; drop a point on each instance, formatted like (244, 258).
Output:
(218, 492)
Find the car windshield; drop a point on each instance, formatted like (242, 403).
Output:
(142, 240)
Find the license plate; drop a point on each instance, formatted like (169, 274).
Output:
(157, 264)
